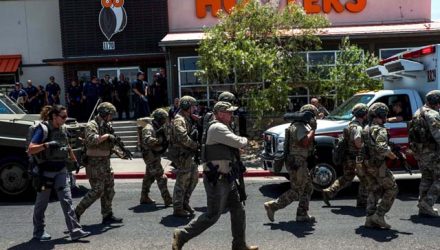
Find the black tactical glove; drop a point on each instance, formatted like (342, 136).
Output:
(53, 145)
(77, 167)
(313, 123)
(111, 138)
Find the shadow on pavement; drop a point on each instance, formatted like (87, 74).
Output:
(35, 244)
(174, 221)
(96, 229)
(428, 221)
(299, 229)
(348, 210)
(274, 190)
(379, 235)
(145, 208)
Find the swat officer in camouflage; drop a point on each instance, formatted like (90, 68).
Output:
(155, 143)
(353, 163)
(299, 145)
(218, 179)
(426, 152)
(381, 183)
(99, 142)
(181, 151)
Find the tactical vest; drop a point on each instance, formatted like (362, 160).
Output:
(54, 157)
(352, 149)
(370, 136)
(160, 134)
(216, 152)
(102, 129)
(294, 148)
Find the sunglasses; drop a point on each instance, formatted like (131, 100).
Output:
(63, 117)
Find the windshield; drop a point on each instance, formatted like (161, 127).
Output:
(343, 111)
(9, 107)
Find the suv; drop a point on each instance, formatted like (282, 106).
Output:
(14, 125)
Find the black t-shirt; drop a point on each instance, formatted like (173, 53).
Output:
(140, 86)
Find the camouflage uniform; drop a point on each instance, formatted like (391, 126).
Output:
(153, 144)
(301, 186)
(181, 152)
(381, 183)
(351, 165)
(98, 169)
(428, 159)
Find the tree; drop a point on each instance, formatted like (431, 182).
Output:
(349, 77)
(260, 43)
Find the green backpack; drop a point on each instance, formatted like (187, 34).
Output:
(418, 131)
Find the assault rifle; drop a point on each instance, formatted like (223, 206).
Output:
(194, 135)
(120, 144)
(238, 170)
(401, 158)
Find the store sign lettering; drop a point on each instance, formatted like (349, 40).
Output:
(310, 6)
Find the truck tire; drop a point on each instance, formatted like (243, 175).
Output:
(14, 177)
(323, 175)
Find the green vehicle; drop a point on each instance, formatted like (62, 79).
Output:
(15, 179)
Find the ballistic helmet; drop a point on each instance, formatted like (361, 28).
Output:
(186, 102)
(433, 97)
(106, 108)
(378, 109)
(359, 110)
(309, 107)
(226, 97)
(160, 115)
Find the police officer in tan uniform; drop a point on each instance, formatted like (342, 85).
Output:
(221, 189)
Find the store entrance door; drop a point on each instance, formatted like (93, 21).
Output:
(129, 72)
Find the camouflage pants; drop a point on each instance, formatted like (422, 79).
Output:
(429, 188)
(351, 169)
(102, 184)
(382, 189)
(187, 177)
(154, 171)
(300, 188)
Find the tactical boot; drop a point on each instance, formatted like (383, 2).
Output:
(177, 241)
(168, 201)
(180, 212)
(270, 211)
(379, 221)
(326, 197)
(305, 218)
(244, 247)
(426, 210)
(188, 208)
(110, 219)
(145, 199)
(369, 223)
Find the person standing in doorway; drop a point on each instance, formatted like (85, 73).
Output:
(141, 99)
(53, 92)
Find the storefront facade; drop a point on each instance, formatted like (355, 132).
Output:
(381, 27)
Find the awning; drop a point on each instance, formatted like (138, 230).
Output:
(9, 63)
(103, 58)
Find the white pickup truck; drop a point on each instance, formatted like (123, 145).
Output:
(407, 77)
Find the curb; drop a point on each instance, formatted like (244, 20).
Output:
(172, 175)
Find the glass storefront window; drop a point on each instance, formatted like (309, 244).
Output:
(322, 58)
(386, 53)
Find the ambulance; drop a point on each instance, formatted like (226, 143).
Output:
(407, 77)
